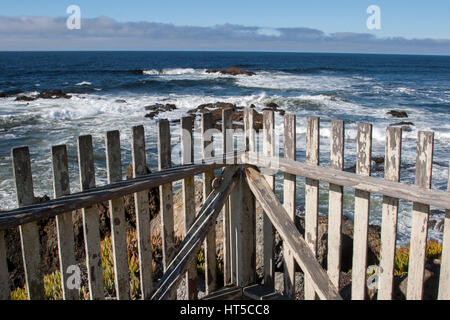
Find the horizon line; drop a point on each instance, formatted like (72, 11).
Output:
(233, 51)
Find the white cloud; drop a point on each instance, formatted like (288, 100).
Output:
(104, 33)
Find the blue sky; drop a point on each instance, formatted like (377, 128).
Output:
(342, 24)
(405, 18)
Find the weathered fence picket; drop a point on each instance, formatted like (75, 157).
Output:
(208, 177)
(91, 224)
(166, 194)
(389, 214)
(289, 200)
(268, 229)
(227, 147)
(444, 277)
(419, 226)
(64, 225)
(188, 189)
(142, 214)
(247, 259)
(29, 233)
(118, 222)
(336, 197)
(311, 195)
(362, 209)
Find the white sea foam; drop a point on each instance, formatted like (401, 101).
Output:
(84, 83)
(287, 81)
(175, 71)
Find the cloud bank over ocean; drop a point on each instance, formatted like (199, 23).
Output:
(103, 33)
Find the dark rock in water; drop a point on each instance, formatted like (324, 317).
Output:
(237, 116)
(378, 160)
(50, 94)
(121, 101)
(272, 106)
(159, 108)
(398, 114)
(403, 123)
(154, 107)
(25, 98)
(53, 94)
(377, 165)
(151, 115)
(234, 71)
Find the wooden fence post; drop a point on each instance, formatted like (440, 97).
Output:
(29, 233)
(311, 196)
(336, 197)
(289, 201)
(235, 231)
(389, 214)
(419, 227)
(187, 157)
(247, 262)
(208, 177)
(444, 276)
(91, 224)
(268, 229)
(118, 222)
(166, 194)
(227, 146)
(142, 214)
(361, 216)
(64, 224)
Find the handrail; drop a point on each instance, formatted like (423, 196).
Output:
(79, 200)
(370, 184)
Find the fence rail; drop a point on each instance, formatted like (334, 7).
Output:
(236, 192)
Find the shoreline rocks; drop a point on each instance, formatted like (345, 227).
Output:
(233, 71)
(50, 94)
(398, 113)
(158, 108)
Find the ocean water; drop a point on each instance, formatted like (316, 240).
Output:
(110, 90)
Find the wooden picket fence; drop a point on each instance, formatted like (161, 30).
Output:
(235, 191)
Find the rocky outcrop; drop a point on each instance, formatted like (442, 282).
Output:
(50, 94)
(272, 106)
(233, 71)
(158, 108)
(237, 116)
(397, 114)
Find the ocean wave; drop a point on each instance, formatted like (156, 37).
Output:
(84, 83)
(175, 71)
(286, 81)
